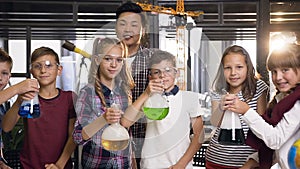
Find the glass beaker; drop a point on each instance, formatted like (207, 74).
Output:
(156, 107)
(231, 131)
(30, 108)
(115, 137)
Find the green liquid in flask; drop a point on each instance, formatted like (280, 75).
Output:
(156, 113)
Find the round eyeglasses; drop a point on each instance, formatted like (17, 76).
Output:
(47, 65)
(168, 71)
(111, 58)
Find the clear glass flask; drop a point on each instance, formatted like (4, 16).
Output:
(30, 108)
(231, 131)
(156, 107)
(115, 137)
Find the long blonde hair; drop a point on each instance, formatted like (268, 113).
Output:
(124, 77)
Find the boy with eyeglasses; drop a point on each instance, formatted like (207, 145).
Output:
(167, 142)
(48, 139)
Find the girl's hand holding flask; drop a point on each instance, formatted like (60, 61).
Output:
(114, 137)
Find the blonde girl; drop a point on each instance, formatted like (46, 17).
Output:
(112, 83)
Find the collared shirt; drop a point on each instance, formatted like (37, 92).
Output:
(174, 91)
(167, 140)
(88, 108)
(139, 69)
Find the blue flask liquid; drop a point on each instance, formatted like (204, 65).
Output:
(30, 109)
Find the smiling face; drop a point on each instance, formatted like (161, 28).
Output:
(166, 71)
(284, 65)
(129, 28)
(285, 79)
(235, 71)
(45, 69)
(111, 62)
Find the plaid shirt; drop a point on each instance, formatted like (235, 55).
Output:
(3, 108)
(88, 108)
(2, 113)
(139, 69)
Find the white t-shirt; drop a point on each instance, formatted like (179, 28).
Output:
(168, 139)
(130, 60)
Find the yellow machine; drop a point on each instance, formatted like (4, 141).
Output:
(180, 30)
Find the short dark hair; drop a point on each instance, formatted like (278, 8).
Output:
(42, 51)
(131, 7)
(4, 57)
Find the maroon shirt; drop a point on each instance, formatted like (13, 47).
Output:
(46, 136)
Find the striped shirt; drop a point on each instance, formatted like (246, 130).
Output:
(233, 155)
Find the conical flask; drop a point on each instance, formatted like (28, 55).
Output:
(231, 131)
(156, 107)
(115, 137)
(30, 108)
